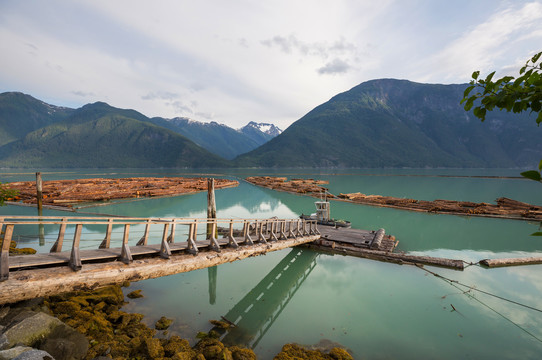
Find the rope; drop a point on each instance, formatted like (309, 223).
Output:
(476, 289)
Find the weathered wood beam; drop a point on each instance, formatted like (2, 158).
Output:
(491, 263)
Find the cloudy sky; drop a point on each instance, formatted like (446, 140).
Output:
(237, 61)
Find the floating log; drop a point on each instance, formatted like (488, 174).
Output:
(491, 263)
(389, 256)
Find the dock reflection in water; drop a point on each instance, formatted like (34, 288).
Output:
(254, 314)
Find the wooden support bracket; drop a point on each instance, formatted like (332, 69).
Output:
(290, 228)
(259, 229)
(125, 253)
(171, 237)
(192, 236)
(273, 227)
(57, 247)
(145, 238)
(232, 243)
(282, 226)
(4, 256)
(107, 240)
(213, 244)
(165, 252)
(246, 233)
(75, 258)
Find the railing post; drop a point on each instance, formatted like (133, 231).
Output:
(213, 244)
(282, 225)
(297, 228)
(231, 239)
(192, 248)
(273, 236)
(125, 254)
(246, 233)
(290, 232)
(145, 238)
(171, 237)
(4, 256)
(75, 257)
(165, 252)
(57, 247)
(316, 231)
(259, 229)
(107, 240)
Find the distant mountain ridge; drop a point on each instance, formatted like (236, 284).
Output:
(399, 123)
(218, 138)
(260, 132)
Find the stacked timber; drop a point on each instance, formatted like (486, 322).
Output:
(504, 207)
(69, 192)
(301, 186)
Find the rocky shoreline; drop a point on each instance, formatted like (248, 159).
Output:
(92, 325)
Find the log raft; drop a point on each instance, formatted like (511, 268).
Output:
(68, 193)
(504, 208)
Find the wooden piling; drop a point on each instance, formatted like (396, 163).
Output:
(211, 206)
(39, 192)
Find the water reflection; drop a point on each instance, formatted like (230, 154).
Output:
(256, 312)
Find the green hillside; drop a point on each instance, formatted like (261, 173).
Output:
(398, 123)
(98, 135)
(21, 114)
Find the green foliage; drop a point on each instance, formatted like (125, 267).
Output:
(6, 193)
(509, 93)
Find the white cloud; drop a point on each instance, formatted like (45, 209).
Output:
(243, 61)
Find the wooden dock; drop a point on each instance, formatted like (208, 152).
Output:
(29, 276)
(374, 245)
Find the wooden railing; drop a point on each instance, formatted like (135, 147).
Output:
(237, 232)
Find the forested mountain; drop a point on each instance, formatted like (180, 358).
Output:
(398, 123)
(21, 114)
(217, 138)
(98, 135)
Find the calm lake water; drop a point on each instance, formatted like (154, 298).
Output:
(377, 310)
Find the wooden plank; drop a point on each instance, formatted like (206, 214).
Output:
(4, 256)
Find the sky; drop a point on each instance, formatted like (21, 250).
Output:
(237, 61)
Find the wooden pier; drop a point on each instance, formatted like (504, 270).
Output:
(118, 260)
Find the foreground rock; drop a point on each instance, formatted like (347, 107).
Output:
(91, 325)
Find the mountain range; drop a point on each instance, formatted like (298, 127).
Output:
(399, 123)
(379, 123)
(34, 133)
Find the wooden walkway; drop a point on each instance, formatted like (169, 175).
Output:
(179, 248)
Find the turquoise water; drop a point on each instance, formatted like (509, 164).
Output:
(377, 310)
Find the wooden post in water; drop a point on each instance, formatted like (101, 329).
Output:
(211, 206)
(39, 190)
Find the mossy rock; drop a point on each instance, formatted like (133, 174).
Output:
(176, 345)
(340, 354)
(220, 324)
(295, 351)
(135, 294)
(153, 348)
(163, 323)
(239, 353)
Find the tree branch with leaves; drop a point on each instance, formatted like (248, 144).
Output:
(508, 93)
